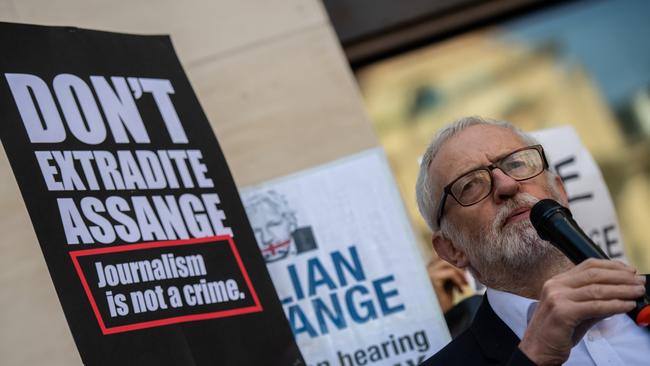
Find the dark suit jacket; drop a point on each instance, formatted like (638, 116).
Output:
(488, 341)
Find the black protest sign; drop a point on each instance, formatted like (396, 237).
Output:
(134, 207)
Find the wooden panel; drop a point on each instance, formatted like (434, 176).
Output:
(199, 29)
(7, 9)
(283, 106)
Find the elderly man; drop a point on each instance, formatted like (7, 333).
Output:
(477, 183)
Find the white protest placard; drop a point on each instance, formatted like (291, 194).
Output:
(344, 261)
(589, 199)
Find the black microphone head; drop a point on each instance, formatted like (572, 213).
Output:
(542, 212)
(544, 208)
(554, 223)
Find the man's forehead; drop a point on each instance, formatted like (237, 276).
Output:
(263, 210)
(474, 146)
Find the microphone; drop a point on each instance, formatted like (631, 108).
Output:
(554, 223)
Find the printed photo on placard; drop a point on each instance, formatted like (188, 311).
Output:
(344, 262)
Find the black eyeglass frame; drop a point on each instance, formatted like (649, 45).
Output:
(489, 168)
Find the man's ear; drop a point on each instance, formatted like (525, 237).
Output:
(560, 187)
(448, 251)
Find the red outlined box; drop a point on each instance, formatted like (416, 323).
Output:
(257, 307)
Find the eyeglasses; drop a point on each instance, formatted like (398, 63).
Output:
(473, 186)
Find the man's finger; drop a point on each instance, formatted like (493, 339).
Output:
(599, 275)
(604, 263)
(606, 292)
(599, 309)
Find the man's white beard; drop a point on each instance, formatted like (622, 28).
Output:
(516, 247)
(505, 257)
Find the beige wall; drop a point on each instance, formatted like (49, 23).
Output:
(274, 84)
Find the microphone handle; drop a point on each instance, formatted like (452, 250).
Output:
(582, 247)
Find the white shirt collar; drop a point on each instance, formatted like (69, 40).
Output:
(514, 310)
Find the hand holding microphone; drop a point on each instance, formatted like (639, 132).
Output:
(555, 224)
(571, 302)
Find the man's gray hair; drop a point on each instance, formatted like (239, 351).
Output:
(275, 201)
(424, 187)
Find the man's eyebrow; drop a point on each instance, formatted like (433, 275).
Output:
(477, 167)
(501, 156)
(492, 161)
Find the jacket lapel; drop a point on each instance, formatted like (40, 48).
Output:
(495, 338)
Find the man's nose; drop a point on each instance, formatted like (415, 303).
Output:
(505, 187)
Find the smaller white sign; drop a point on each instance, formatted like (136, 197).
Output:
(589, 199)
(345, 264)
